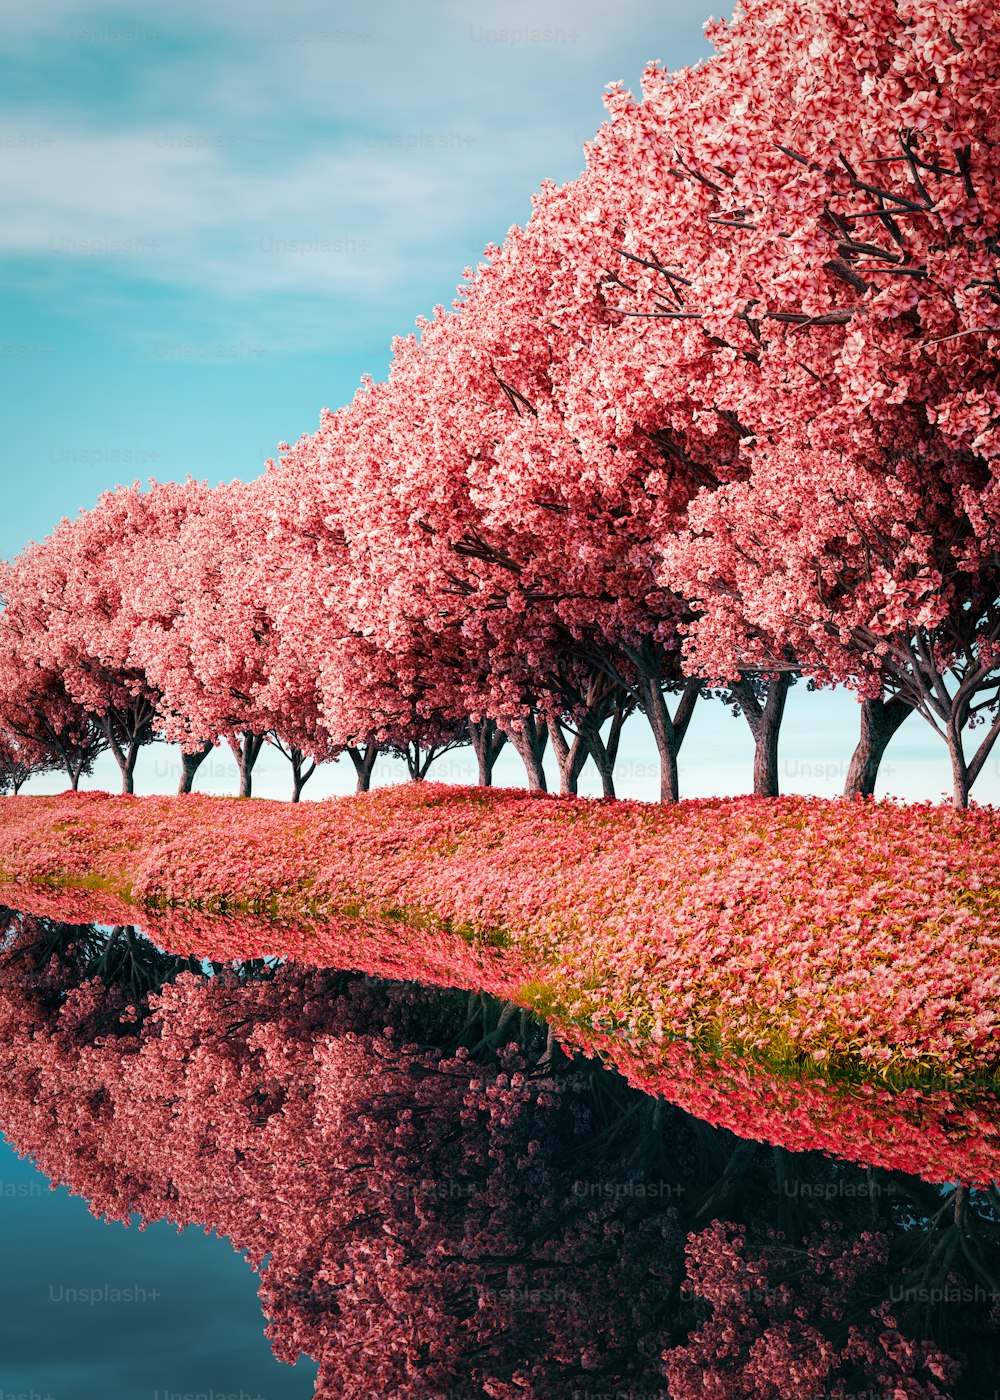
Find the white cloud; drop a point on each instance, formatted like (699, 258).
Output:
(176, 206)
(219, 146)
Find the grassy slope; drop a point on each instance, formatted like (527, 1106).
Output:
(860, 939)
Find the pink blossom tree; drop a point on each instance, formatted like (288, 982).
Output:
(458, 582)
(45, 725)
(881, 575)
(821, 213)
(731, 264)
(321, 669)
(93, 602)
(21, 760)
(212, 639)
(385, 679)
(205, 652)
(61, 604)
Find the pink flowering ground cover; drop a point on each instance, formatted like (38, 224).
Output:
(860, 940)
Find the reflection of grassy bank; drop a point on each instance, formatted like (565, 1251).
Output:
(778, 1056)
(851, 942)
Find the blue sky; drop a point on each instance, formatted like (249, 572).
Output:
(217, 216)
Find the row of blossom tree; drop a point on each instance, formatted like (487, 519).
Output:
(725, 412)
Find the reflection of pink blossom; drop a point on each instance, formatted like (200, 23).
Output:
(765, 1338)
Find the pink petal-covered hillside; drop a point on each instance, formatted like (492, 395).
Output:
(857, 938)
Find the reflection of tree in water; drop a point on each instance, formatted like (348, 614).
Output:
(442, 1203)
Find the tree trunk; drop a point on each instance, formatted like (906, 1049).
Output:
(300, 773)
(959, 769)
(765, 726)
(570, 757)
(245, 764)
(530, 742)
(133, 725)
(487, 740)
(190, 763)
(364, 762)
(603, 761)
(125, 757)
(419, 759)
(622, 711)
(879, 721)
(668, 731)
(247, 749)
(765, 757)
(74, 767)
